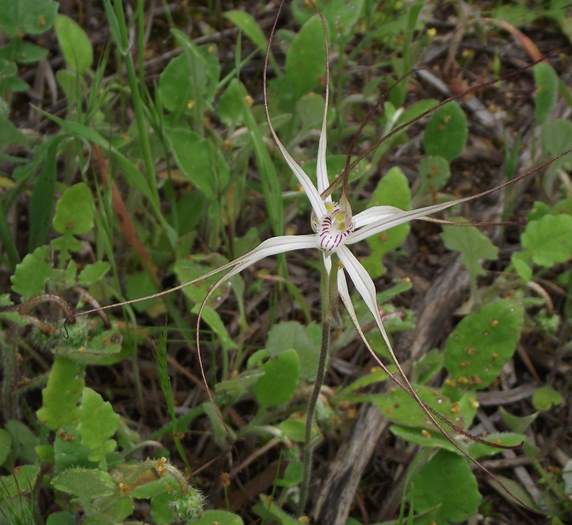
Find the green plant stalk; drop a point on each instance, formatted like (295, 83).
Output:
(140, 20)
(8, 392)
(328, 299)
(133, 82)
(553, 485)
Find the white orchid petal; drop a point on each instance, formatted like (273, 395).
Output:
(375, 214)
(321, 167)
(385, 222)
(273, 246)
(366, 288)
(347, 301)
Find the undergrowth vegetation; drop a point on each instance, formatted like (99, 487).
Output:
(137, 157)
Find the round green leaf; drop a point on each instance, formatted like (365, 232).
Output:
(279, 381)
(445, 481)
(482, 343)
(434, 173)
(544, 398)
(549, 240)
(446, 133)
(74, 210)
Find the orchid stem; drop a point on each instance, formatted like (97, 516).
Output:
(328, 299)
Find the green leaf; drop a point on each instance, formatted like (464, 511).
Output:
(392, 190)
(74, 44)
(503, 484)
(549, 240)
(211, 317)
(230, 104)
(94, 272)
(341, 15)
(23, 52)
(517, 423)
(434, 173)
(446, 133)
(199, 160)
(423, 437)
(189, 81)
(306, 60)
(270, 512)
(24, 441)
(398, 406)
(479, 450)
(278, 384)
(61, 518)
(220, 517)
(445, 481)
(473, 245)
(69, 451)
(27, 16)
(43, 196)
(482, 343)
(545, 397)
(10, 81)
(9, 134)
(85, 483)
(62, 393)
(5, 445)
(98, 422)
(249, 26)
(556, 139)
(74, 210)
(546, 81)
(293, 335)
(520, 263)
(32, 273)
(174, 89)
(21, 481)
(152, 489)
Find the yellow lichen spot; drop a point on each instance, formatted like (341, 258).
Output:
(82, 349)
(426, 433)
(211, 49)
(495, 356)
(42, 21)
(494, 322)
(351, 413)
(190, 104)
(464, 364)
(123, 488)
(474, 403)
(471, 350)
(463, 380)
(304, 519)
(455, 408)
(431, 32)
(225, 480)
(450, 382)
(248, 100)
